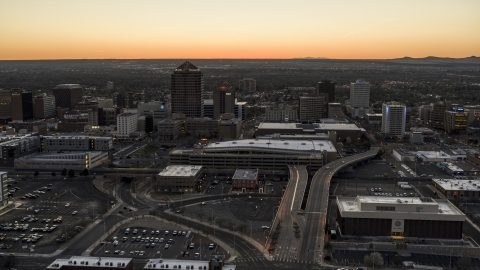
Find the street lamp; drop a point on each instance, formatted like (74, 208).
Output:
(273, 214)
(214, 226)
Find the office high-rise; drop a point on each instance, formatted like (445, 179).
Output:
(360, 94)
(394, 117)
(44, 106)
(328, 88)
(187, 90)
(22, 105)
(223, 100)
(67, 95)
(120, 100)
(311, 107)
(247, 84)
(5, 104)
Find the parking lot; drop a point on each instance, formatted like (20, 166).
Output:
(52, 212)
(243, 214)
(149, 242)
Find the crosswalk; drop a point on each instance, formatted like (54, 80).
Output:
(291, 260)
(252, 259)
(258, 259)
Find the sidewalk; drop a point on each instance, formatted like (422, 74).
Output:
(9, 207)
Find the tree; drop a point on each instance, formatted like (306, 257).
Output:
(373, 258)
(242, 228)
(54, 174)
(36, 174)
(10, 261)
(86, 172)
(464, 263)
(397, 260)
(348, 141)
(220, 221)
(64, 172)
(71, 173)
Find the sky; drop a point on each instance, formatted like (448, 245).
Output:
(341, 29)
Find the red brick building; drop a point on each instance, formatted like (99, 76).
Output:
(245, 180)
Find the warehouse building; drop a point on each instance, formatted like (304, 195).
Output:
(399, 217)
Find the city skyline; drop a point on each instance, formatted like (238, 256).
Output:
(245, 30)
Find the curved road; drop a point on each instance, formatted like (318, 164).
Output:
(311, 247)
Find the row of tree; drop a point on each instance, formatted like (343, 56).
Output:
(65, 172)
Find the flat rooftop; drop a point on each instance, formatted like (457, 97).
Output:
(180, 170)
(432, 154)
(66, 137)
(409, 205)
(92, 262)
(173, 264)
(455, 184)
(245, 174)
(321, 126)
(300, 145)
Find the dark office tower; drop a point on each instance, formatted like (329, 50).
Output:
(22, 105)
(187, 91)
(223, 100)
(5, 105)
(129, 99)
(120, 100)
(67, 95)
(327, 87)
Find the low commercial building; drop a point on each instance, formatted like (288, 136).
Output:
(72, 160)
(245, 180)
(374, 118)
(281, 115)
(399, 217)
(91, 263)
(179, 177)
(459, 168)
(13, 147)
(170, 129)
(343, 131)
(432, 156)
(204, 125)
(454, 188)
(216, 262)
(76, 143)
(176, 264)
(403, 155)
(334, 110)
(230, 128)
(473, 157)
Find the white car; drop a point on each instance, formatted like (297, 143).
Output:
(115, 243)
(67, 205)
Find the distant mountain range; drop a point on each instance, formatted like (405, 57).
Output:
(403, 58)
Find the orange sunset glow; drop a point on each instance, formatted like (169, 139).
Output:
(238, 29)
